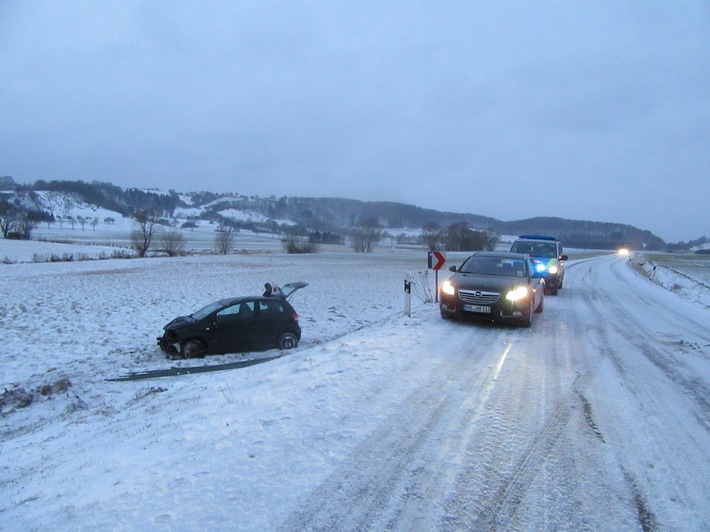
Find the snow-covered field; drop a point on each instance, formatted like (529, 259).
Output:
(378, 420)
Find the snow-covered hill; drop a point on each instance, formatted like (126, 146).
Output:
(332, 215)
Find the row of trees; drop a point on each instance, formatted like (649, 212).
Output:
(456, 237)
(148, 230)
(366, 234)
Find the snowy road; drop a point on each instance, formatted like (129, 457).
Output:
(596, 418)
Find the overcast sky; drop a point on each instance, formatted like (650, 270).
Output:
(585, 110)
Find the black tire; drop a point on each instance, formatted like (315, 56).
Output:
(553, 291)
(193, 349)
(526, 321)
(287, 340)
(559, 285)
(445, 316)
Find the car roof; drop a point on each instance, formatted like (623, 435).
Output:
(539, 237)
(500, 255)
(229, 300)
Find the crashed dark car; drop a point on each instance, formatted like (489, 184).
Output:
(497, 286)
(235, 325)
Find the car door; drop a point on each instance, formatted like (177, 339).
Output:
(272, 318)
(537, 281)
(236, 327)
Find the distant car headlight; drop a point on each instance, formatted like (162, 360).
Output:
(553, 270)
(623, 252)
(516, 295)
(448, 289)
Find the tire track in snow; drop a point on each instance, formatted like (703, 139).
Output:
(500, 471)
(660, 391)
(400, 475)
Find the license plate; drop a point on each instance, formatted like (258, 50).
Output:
(477, 308)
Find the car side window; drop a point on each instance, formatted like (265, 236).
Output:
(243, 310)
(270, 308)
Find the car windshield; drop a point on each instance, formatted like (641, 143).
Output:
(494, 266)
(535, 249)
(209, 309)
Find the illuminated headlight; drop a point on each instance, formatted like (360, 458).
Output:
(540, 267)
(448, 289)
(519, 293)
(553, 270)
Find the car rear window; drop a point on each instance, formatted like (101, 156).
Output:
(535, 249)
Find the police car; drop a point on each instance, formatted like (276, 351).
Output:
(546, 254)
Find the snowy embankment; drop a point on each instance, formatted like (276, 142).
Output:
(693, 284)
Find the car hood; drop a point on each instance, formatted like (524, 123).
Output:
(486, 283)
(179, 323)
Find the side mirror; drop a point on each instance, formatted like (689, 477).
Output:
(564, 257)
(452, 268)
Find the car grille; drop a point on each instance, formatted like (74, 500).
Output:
(477, 297)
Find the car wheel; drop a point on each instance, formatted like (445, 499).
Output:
(559, 285)
(553, 291)
(526, 321)
(542, 304)
(193, 349)
(287, 341)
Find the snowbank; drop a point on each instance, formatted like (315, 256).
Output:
(689, 286)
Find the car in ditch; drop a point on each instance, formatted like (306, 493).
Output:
(546, 254)
(496, 286)
(236, 324)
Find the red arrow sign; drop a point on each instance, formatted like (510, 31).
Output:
(436, 260)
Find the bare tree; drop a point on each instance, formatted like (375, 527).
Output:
(8, 219)
(15, 224)
(173, 242)
(143, 232)
(433, 235)
(368, 232)
(25, 226)
(224, 241)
